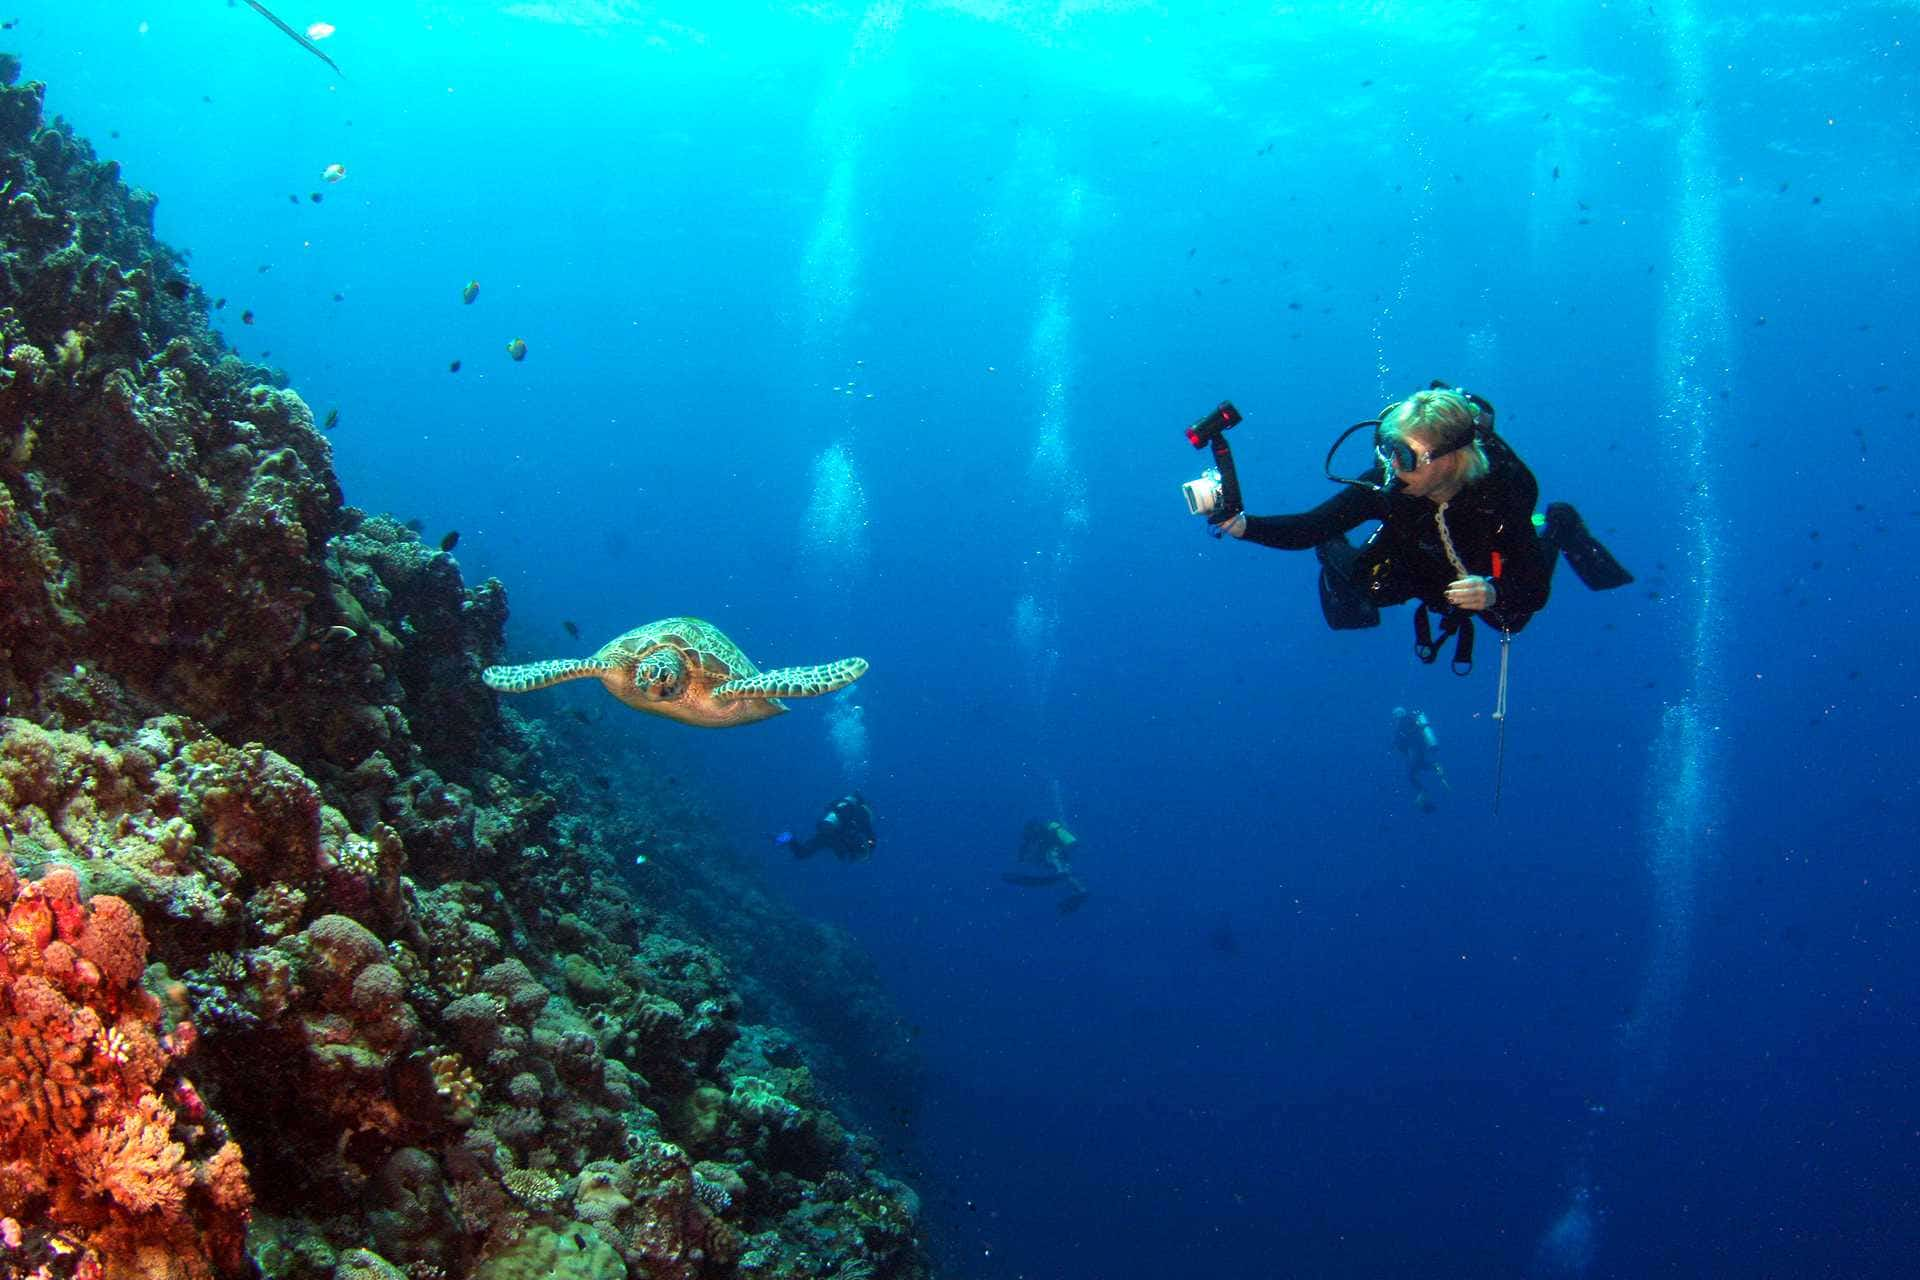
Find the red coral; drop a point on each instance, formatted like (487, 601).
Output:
(61, 888)
(112, 939)
(88, 1136)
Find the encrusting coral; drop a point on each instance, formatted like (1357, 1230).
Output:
(261, 822)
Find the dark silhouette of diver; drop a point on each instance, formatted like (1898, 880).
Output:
(1414, 739)
(1049, 848)
(846, 828)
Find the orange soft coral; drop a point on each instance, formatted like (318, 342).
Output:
(90, 1145)
(136, 1161)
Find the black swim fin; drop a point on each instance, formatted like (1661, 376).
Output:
(1031, 878)
(1585, 554)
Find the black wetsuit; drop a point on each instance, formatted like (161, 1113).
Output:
(846, 828)
(1404, 559)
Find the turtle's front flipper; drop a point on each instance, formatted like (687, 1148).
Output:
(529, 676)
(793, 682)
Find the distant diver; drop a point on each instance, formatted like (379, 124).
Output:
(846, 828)
(295, 36)
(1414, 739)
(1049, 848)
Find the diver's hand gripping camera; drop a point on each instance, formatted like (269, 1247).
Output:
(1216, 494)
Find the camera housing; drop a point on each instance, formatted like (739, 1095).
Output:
(1202, 495)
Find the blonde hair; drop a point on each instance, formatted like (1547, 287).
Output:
(1445, 418)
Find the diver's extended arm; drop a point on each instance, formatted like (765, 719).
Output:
(1346, 510)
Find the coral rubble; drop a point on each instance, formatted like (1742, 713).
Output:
(315, 963)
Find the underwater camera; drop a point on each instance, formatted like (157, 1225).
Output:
(1216, 494)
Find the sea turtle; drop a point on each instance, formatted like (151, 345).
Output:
(686, 670)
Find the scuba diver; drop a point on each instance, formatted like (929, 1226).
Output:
(1049, 847)
(1414, 739)
(846, 828)
(1457, 528)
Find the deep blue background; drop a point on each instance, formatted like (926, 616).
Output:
(1044, 238)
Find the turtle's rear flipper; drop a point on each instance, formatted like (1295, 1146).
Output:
(1072, 902)
(1585, 554)
(529, 676)
(794, 682)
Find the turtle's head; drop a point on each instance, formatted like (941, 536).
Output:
(660, 676)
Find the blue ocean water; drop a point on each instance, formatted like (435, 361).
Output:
(873, 330)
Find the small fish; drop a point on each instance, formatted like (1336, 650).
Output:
(572, 627)
(246, 317)
(9, 24)
(331, 421)
(320, 30)
(334, 172)
(219, 303)
(602, 783)
(342, 633)
(517, 349)
(264, 268)
(292, 198)
(113, 133)
(339, 297)
(472, 291)
(315, 196)
(451, 541)
(417, 525)
(579, 715)
(176, 287)
(453, 367)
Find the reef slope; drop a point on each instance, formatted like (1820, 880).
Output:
(316, 964)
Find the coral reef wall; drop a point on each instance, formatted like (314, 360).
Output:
(316, 964)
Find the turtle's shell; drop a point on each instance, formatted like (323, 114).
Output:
(638, 661)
